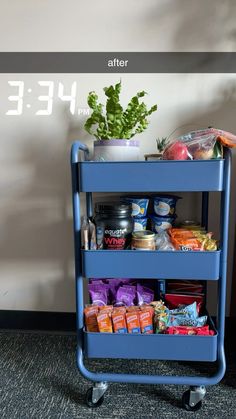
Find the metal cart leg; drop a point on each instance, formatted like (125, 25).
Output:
(95, 394)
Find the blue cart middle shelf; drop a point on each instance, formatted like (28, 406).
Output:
(150, 264)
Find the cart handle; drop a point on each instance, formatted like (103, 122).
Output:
(77, 146)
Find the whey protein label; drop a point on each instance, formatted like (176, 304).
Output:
(112, 239)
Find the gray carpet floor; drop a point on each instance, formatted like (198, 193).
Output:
(39, 379)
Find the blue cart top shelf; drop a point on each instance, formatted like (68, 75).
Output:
(152, 176)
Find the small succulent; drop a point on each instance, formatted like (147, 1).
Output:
(161, 143)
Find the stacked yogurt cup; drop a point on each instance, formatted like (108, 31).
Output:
(164, 207)
(163, 215)
(139, 210)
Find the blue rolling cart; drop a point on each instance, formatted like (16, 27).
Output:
(152, 176)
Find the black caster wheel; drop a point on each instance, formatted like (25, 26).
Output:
(186, 405)
(89, 400)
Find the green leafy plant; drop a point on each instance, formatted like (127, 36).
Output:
(116, 122)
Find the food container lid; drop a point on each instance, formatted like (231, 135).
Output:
(143, 235)
(120, 208)
(188, 223)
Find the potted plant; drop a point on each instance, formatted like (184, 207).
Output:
(115, 128)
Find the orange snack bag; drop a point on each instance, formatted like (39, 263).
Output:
(90, 314)
(119, 322)
(104, 322)
(133, 323)
(146, 323)
(187, 244)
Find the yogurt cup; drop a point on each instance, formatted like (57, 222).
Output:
(160, 224)
(164, 205)
(140, 223)
(139, 205)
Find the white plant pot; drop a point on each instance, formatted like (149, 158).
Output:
(116, 150)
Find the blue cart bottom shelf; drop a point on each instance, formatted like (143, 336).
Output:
(156, 346)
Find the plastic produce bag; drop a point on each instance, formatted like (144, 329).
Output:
(225, 138)
(163, 242)
(195, 145)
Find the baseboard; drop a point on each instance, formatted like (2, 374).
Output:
(56, 321)
(37, 320)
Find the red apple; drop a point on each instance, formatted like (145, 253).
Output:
(176, 151)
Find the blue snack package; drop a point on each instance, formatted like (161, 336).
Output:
(189, 310)
(183, 320)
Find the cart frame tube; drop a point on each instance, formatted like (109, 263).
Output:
(136, 378)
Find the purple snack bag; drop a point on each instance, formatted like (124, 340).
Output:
(144, 295)
(113, 285)
(96, 281)
(127, 281)
(98, 294)
(125, 296)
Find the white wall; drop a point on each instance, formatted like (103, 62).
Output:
(36, 248)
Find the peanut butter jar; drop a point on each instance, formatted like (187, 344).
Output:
(143, 240)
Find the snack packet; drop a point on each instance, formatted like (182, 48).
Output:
(160, 316)
(160, 322)
(186, 316)
(189, 310)
(105, 309)
(120, 309)
(144, 295)
(133, 323)
(98, 294)
(119, 322)
(147, 307)
(132, 309)
(125, 296)
(186, 330)
(90, 314)
(145, 318)
(184, 320)
(104, 322)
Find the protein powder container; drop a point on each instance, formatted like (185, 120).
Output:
(114, 225)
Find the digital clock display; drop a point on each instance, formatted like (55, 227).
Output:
(49, 92)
